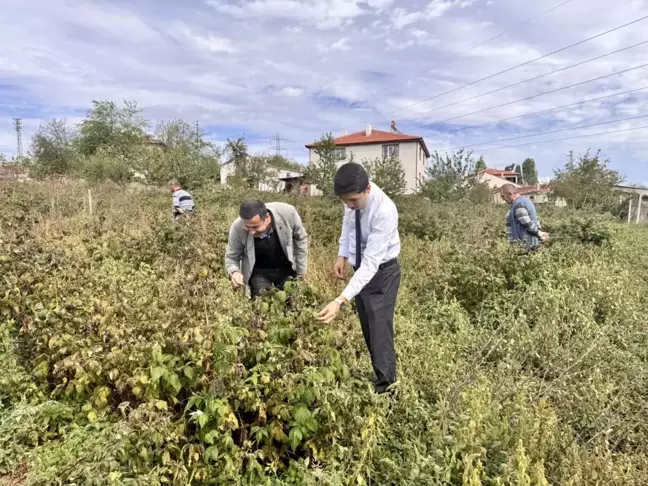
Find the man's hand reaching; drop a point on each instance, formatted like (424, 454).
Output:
(237, 280)
(339, 269)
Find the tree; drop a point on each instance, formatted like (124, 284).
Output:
(108, 127)
(510, 167)
(237, 152)
(52, 149)
(481, 164)
(249, 171)
(322, 171)
(530, 172)
(449, 178)
(186, 156)
(388, 174)
(587, 183)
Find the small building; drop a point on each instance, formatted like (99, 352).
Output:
(371, 144)
(637, 199)
(496, 178)
(279, 179)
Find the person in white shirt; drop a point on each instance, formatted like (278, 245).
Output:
(370, 243)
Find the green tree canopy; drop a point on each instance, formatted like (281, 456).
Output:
(586, 182)
(388, 174)
(322, 170)
(450, 177)
(530, 172)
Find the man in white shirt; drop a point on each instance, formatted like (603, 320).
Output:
(370, 242)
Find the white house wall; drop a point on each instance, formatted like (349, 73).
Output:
(411, 155)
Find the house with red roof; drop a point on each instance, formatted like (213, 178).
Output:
(496, 178)
(371, 144)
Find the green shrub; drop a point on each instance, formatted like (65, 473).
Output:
(128, 360)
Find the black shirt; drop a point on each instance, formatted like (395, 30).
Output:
(268, 252)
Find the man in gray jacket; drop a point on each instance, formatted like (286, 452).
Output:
(267, 246)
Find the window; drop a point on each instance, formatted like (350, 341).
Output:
(390, 151)
(340, 153)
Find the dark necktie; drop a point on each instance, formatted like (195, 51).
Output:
(358, 239)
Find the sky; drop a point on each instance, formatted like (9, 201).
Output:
(302, 68)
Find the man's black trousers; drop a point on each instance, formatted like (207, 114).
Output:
(263, 279)
(376, 304)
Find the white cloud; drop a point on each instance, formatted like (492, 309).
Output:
(436, 8)
(401, 18)
(305, 67)
(325, 14)
(292, 91)
(393, 45)
(419, 34)
(380, 4)
(341, 45)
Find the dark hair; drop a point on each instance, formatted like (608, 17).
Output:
(251, 208)
(350, 178)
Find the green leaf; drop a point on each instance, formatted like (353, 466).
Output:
(302, 415)
(212, 453)
(157, 373)
(193, 401)
(328, 374)
(202, 420)
(189, 372)
(295, 436)
(210, 437)
(174, 382)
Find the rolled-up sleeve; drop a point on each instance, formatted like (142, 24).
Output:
(381, 230)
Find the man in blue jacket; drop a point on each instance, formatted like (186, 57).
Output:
(522, 225)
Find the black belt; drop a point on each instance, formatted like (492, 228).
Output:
(382, 266)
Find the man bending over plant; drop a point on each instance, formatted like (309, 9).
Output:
(183, 203)
(267, 246)
(522, 225)
(370, 242)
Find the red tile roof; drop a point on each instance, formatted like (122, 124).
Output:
(377, 136)
(501, 173)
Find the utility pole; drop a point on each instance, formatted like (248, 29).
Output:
(18, 127)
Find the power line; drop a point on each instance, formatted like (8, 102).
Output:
(540, 94)
(562, 139)
(473, 48)
(525, 81)
(519, 65)
(497, 36)
(548, 133)
(546, 111)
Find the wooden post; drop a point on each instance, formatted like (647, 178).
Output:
(90, 201)
(639, 208)
(629, 210)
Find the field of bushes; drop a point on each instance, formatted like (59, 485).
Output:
(126, 358)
